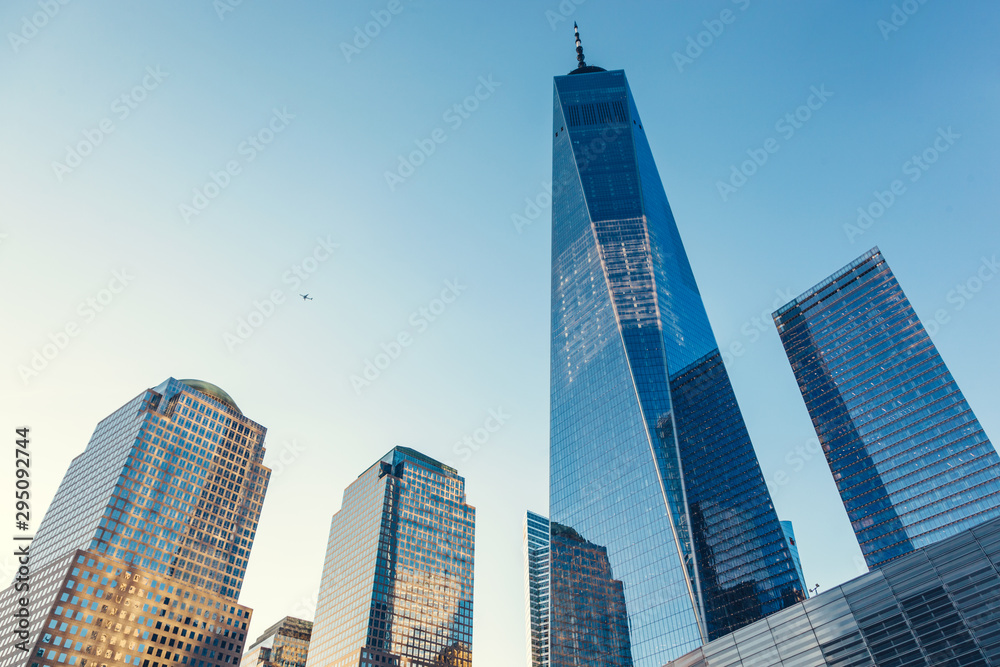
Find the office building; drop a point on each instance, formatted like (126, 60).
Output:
(284, 644)
(140, 558)
(536, 588)
(908, 455)
(649, 454)
(396, 588)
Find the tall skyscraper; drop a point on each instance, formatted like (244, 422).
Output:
(397, 580)
(140, 558)
(284, 644)
(907, 453)
(536, 587)
(650, 457)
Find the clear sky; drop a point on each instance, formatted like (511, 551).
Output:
(177, 163)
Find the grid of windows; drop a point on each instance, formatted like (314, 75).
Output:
(105, 611)
(935, 606)
(909, 457)
(649, 454)
(159, 513)
(284, 644)
(397, 580)
(592, 626)
(536, 588)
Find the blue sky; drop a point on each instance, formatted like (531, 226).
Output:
(288, 136)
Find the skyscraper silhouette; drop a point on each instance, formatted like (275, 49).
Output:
(649, 455)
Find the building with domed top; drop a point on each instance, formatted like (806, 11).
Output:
(140, 558)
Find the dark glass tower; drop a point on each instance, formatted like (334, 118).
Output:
(911, 462)
(649, 456)
(396, 589)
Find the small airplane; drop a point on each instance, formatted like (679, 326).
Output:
(306, 297)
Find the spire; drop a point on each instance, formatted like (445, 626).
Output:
(579, 47)
(582, 66)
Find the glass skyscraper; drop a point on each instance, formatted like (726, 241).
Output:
(396, 589)
(909, 457)
(536, 587)
(140, 558)
(649, 454)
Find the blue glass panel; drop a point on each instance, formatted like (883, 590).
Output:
(907, 453)
(650, 458)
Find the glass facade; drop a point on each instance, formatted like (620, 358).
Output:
(536, 588)
(591, 627)
(396, 589)
(649, 454)
(936, 606)
(284, 644)
(793, 547)
(93, 610)
(909, 457)
(149, 533)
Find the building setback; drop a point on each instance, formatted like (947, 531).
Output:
(140, 558)
(649, 454)
(396, 588)
(908, 455)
